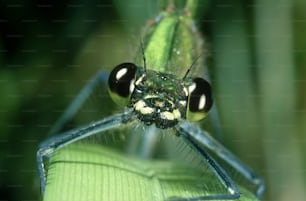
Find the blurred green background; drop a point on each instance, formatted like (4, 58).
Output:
(257, 60)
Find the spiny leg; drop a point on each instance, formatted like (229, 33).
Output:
(224, 178)
(204, 139)
(48, 147)
(79, 100)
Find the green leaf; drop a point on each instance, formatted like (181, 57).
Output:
(94, 173)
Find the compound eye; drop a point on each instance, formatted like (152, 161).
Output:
(199, 99)
(121, 82)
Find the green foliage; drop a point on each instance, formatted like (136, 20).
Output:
(85, 172)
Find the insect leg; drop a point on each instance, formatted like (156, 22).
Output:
(78, 101)
(224, 178)
(204, 139)
(48, 147)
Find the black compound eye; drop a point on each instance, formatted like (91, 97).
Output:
(199, 99)
(121, 82)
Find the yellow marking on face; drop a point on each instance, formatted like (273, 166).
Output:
(139, 105)
(185, 91)
(146, 110)
(139, 80)
(176, 113)
(183, 103)
(167, 115)
(159, 104)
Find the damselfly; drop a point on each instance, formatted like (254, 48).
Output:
(162, 94)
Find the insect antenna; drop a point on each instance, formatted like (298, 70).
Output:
(191, 66)
(143, 57)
